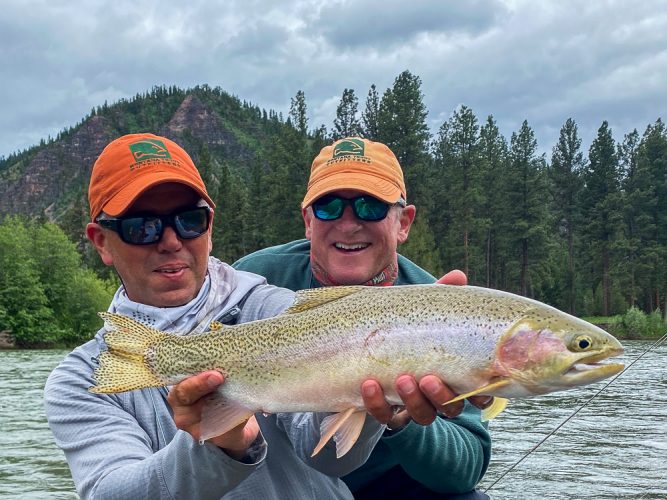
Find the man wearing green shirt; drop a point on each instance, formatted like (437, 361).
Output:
(356, 214)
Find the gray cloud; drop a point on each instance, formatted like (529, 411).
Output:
(515, 59)
(368, 24)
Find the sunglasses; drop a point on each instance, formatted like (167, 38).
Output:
(148, 229)
(367, 208)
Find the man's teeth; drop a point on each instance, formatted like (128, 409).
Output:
(170, 270)
(356, 246)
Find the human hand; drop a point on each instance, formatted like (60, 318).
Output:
(453, 277)
(423, 401)
(187, 400)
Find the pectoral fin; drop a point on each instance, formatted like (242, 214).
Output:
(344, 427)
(220, 415)
(498, 405)
(481, 390)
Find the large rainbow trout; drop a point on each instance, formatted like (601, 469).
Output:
(315, 356)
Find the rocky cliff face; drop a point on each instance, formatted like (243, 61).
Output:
(202, 122)
(58, 170)
(55, 177)
(207, 126)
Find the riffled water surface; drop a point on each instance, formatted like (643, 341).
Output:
(616, 447)
(31, 466)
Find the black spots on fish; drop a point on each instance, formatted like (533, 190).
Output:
(143, 318)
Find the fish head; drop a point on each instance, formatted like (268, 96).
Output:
(550, 351)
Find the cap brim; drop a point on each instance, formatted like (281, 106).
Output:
(124, 199)
(370, 184)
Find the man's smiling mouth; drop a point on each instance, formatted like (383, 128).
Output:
(171, 270)
(354, 247)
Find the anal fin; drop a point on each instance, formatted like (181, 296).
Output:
(344, 427)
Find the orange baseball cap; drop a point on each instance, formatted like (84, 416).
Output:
(356, 163)
(133, 163)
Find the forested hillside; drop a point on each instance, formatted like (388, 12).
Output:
(584, 229)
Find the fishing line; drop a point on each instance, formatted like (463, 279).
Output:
(513, 466)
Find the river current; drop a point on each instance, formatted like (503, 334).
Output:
(615, 447)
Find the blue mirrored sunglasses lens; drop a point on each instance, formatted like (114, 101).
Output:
(368, 208)
(141, 230)
(192, 223)
(328, 208)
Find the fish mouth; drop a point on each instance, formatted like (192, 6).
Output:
(594, 368)
(602, 355)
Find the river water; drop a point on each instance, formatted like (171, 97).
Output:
(615, 447)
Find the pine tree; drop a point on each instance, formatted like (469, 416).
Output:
(369, 117)
(346, 123)
(230, 232)
(493, 153)
(457, 161)
(565, 171)
(601, 210)
(633, 213)
(527, 213)
(651, 197)
(298, 112)
(402, 126)
(289, 161)
(255, 220)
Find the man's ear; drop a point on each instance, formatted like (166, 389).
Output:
(98, 238)
(307, 215)
(210, 233)
(405, 220)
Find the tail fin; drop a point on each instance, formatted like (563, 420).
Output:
(124, 367)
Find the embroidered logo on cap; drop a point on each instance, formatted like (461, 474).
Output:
(149, 149)
(151, 152)
(350, 147)
(349, 150)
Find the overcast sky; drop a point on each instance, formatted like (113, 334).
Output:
(542, 61)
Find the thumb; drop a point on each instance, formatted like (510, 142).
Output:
(454, 277)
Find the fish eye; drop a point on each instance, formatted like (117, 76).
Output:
(582, 343)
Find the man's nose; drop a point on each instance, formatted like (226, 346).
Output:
(170, 241)
(348, 220)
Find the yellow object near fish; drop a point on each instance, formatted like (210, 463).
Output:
(314, 356)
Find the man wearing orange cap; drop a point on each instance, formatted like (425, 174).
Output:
(150, 219)
(356, 214)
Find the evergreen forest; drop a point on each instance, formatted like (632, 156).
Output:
(582, 229)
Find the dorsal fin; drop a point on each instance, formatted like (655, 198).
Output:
(315, 297)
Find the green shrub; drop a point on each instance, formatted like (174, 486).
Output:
(656, 326)
(634, 323)
(47, 296)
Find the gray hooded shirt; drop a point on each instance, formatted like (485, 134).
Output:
(126, 445)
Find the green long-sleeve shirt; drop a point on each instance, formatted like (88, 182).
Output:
(448, 456)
